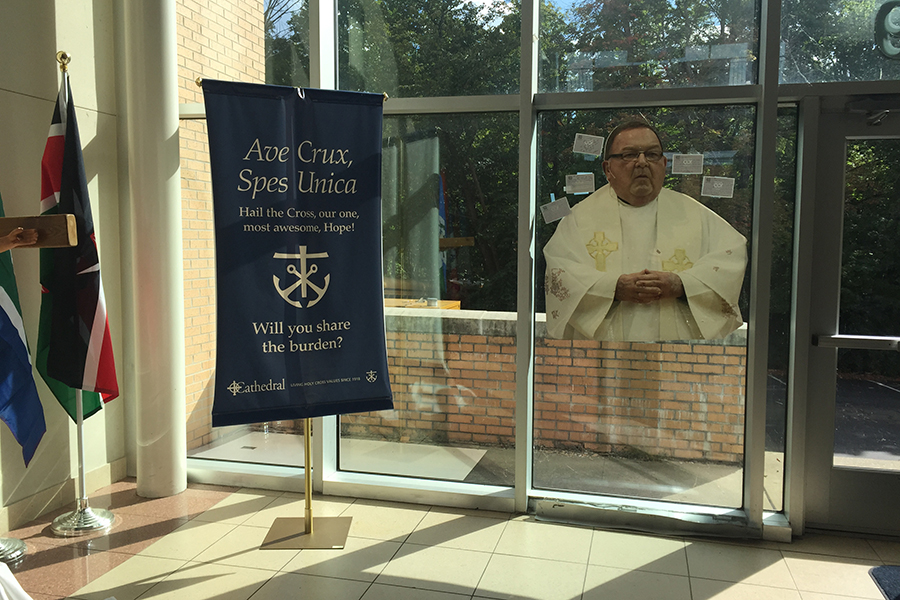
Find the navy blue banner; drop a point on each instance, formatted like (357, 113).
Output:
(296, 176)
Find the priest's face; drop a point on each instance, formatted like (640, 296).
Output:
(636, 181)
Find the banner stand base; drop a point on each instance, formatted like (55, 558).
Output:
(306, 533)
(289, 533)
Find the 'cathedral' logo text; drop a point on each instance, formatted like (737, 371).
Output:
(238, 387)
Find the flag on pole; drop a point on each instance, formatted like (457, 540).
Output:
(74, 346)
(20, 405)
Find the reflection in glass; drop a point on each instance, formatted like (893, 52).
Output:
(589, 45)
(871, 246)
(425, 48)
(449, 221)
(780, 306)
(286, 24)
(833, 40)
(660, 420)
(867, 410)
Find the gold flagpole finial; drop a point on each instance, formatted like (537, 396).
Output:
(199, 82)
(63, 58)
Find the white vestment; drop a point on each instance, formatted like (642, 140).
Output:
(675, 233)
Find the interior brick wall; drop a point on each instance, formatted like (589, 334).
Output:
(217, 39)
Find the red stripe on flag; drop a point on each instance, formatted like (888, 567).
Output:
(51, 166)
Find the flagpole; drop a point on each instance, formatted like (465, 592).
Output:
(83, 519)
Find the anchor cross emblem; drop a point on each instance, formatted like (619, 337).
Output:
(303, 282)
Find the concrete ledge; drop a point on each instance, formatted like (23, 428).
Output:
(495, 323)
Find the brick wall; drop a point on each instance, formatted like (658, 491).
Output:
(217, 39)
(451, 388)
(453, 380)
(682, 400)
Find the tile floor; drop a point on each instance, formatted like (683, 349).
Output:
(204, 544)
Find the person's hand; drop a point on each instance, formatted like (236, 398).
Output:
(18, 237)
(669, 284)
(637, 287)
(648, 286)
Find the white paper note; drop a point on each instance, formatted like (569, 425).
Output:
(718, 187)
(588, 144)
(580, 183)
(556, 210)
(687, 164)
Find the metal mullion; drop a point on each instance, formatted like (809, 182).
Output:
(801, 300)
(761, 264)
(798, 91)
(688, 96)
(525, 259)
(323, 75)
(452, 104)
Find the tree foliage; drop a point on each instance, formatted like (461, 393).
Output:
(832, 40)
(871, 262)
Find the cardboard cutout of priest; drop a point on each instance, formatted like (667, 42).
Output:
(636, 262)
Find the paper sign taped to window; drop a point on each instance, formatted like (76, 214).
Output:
(687, 164)
(556, 210)
(588, 144)
(580, 183)
(718, 187)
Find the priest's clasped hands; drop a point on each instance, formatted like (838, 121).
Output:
(648, 286)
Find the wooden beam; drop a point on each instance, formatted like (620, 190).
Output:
(455, 242)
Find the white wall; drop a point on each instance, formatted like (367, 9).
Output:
(31, 33)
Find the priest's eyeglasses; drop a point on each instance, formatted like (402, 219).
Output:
(650, 155)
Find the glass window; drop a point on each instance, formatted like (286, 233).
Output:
(449, 217)
(657, 417)
(868, 381)
(287, 42)
(780, 307)
(588, 45)
(424, 48)
(839, 40)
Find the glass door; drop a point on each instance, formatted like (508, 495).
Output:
(853, 406)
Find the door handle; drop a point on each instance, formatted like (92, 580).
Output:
(858, 342)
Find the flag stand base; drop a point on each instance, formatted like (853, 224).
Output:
(82, 521)
(11, 549)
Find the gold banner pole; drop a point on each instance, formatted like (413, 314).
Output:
(307, 473)
(298, 533)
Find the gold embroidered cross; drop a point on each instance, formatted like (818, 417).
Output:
(679, 262)
(599, 248)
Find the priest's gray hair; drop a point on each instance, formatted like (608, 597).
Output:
(626, 126)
